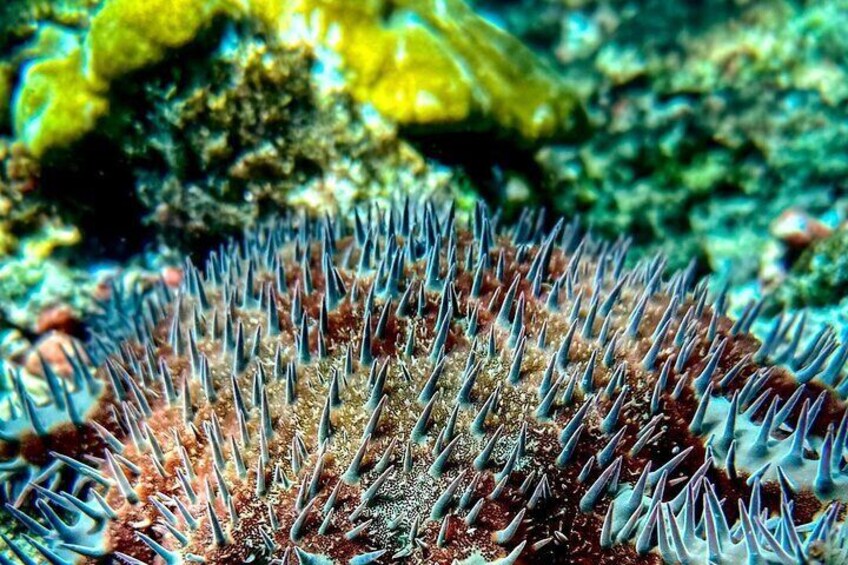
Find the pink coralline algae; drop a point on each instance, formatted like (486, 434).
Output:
(408, 386)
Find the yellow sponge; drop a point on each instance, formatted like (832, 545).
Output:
(429, 62)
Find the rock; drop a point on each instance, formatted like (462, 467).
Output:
(51, 347)
(61, 318)
(419, 62)
(797, 229)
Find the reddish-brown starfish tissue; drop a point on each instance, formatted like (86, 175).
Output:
(401, 387)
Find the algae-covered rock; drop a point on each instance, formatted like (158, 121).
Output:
(712, 118)
(20, 19)
(820, 276)
(213, 147)
(417, 61)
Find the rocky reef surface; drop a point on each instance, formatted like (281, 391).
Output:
(712, 119)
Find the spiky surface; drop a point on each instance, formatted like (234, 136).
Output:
(401, 388)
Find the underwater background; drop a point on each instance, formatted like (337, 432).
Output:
(712, 134)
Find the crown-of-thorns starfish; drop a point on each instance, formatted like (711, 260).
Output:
(399, 388)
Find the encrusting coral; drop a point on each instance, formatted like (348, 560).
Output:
(401, 386)
(415, 67)
(20, 19)
(820, 276)
(437, 62)
(711, 119)
(251, 131)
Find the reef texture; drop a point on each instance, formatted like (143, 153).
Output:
(213, 147)
(712, 118)
(19, 19)
(820, 275)
(404, 387)
(19, 176)
(417, 61)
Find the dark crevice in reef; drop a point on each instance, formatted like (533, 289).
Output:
(483, 157)
(91, 186)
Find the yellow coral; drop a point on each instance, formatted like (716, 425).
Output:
(407, 72)
(509, 82)
(42, 245)
(268, 12)
(417, 61)
(127, 35)
(56, 104)
(438, 62)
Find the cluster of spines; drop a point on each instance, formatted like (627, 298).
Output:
(617, 356)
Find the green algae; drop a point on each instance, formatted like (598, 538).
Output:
(820, 276)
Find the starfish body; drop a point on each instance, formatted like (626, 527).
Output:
(402, 388)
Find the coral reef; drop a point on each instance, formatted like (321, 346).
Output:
(408, 381)
(712, 118)
(820, 276)
(417, 67)
(36, 274)
(20, 19)
(399, 386)
(214, 147)
(19, 177)
(65, 92)
(30, 275)
(195, 149)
